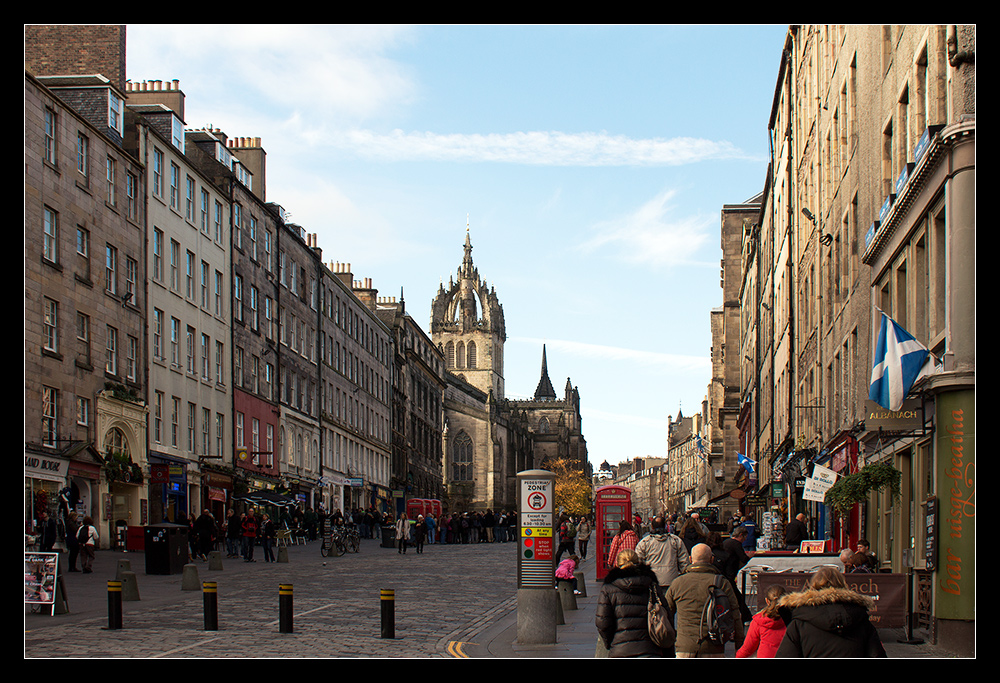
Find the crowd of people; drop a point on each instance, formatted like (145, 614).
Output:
(691, 570)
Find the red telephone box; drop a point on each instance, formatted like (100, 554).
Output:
(613, 504)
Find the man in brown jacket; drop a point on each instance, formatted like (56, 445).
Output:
(686, 598)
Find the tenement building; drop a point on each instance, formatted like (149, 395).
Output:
(869, 208)
(85, 294)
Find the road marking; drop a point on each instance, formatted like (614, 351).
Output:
(455, 650)
(186, 647)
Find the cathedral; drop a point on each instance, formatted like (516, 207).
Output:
(487, 438)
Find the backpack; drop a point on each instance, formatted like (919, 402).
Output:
(660, 621)
(570, 530)
(82, 534)
(717, 621)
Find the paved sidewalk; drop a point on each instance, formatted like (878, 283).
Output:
(455, 601)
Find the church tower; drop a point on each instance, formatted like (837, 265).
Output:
(467, 324)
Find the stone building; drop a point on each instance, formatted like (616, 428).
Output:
(85, 296)
(488, 438)
(869, 205)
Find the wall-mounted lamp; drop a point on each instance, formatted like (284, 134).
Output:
(826, 239)
(808, 214)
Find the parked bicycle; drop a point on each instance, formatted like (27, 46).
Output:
(340, 540)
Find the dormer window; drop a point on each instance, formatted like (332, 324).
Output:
(177, 133)
(116, 121)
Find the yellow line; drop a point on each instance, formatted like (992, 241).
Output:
(455, 649)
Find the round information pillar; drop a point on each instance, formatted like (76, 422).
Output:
(536, 557)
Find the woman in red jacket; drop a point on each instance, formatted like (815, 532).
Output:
(766, 628)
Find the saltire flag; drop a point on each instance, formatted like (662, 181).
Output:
(746, 462)
(699, 447)
(897, 361)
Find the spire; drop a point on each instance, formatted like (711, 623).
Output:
(467, 259)
(545, 390)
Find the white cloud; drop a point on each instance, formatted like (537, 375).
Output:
(650, 235)
(542, 148)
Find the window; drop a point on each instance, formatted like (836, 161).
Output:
(157, 334)
(50, 225)
(238, 296)
(204, 285)
(220, 377)
(218, 222)
(175, 189)
(206, 357)
(220, 426)
(131, 194)
(115, 120)
(189, 276)
(204, 211)
(189, 345)
(111, 348)
(158, 417)
(157, 254)
(175, 257)
(253, 238)
(218, 293)
(239, 430)
(175, 409)
(206, 420)
(237, 226)
(82, 411)
(189, 200)
(50, 325)
(254, 319)
(175, 351)
(82, 155)
(50, 416)
(83, 336)
(461, 459)
(49, 145)
(110, 269)
(112, 171)
(132, 359)
(157, 172)
(191, 426)
(131, 278)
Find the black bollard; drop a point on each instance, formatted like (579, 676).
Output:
(114, 605)
(388, 613)
(211, 599)
(285, 608)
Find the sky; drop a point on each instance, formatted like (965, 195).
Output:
(588, 163)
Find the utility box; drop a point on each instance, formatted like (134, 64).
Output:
(166, 548)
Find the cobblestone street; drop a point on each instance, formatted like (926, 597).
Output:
(445, 595)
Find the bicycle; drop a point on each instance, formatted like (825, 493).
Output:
(334, 544)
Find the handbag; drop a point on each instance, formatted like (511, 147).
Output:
(660, 621)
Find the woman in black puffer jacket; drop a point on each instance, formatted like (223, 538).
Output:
(828, 619)
(622, 617)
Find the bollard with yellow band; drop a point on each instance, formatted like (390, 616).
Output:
(211, 601)
(114, 605)
(388, 600)
(285, 608)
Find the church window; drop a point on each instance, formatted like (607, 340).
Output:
(543, 426)
(460, 360)
(471, 353)
(461, 458)
(450, 354)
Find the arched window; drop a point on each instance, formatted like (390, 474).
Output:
(116, 442)
(449, 351)
(471, 353)
(543, 426)
(461, 458)
(460, 361)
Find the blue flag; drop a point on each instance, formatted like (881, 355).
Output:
(896, 363)
(746, 462)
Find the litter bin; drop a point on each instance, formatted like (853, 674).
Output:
(388, 537)
(166, 548)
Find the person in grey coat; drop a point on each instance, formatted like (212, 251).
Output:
(664, 552)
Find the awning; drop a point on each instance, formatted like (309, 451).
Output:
(266, 498)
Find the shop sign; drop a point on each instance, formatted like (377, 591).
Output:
(910, 417)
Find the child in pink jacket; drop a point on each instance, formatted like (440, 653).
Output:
(766, 628)
(566, 571)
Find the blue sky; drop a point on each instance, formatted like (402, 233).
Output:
(590, 163)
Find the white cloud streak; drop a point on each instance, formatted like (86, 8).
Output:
(541, 148)
(650, 235)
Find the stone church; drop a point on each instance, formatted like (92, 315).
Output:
(488, 438)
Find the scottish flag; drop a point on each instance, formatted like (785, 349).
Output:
(746, 462)
(896, 363)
